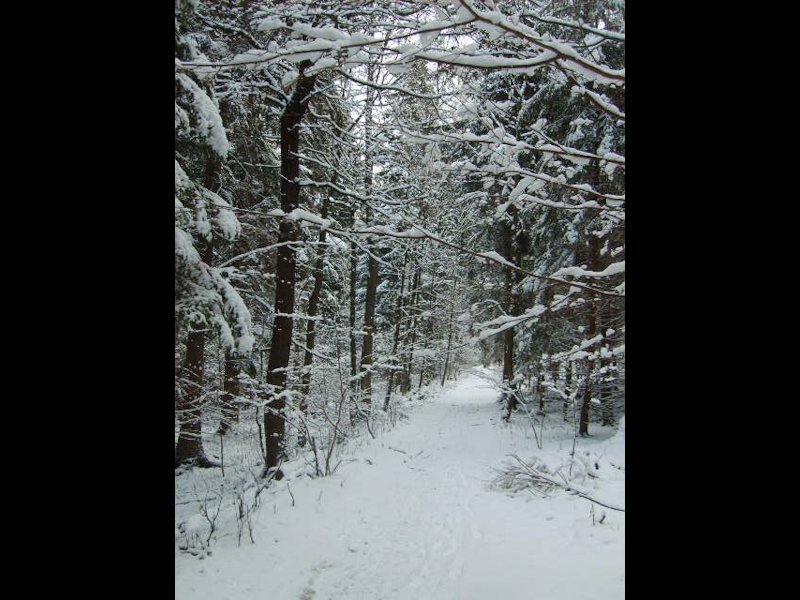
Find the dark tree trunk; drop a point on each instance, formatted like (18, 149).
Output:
(280, 348)
(554, 372)
(372, 264)
(369, 328)
(554, 376)
(583, 428)
(416, 284)
(353, 340)
(189, 449)
(431, 296)
(594, 256)
(230, 408)
(398, 315)
(594, 265)
(512, 251)
(605, 368)
(450, 325)
(567, 388)
(313, 308)
(508, 370)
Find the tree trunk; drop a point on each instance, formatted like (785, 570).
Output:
(353, 341)
(605, 368)
(313, 308)
(512, 251)
(189, 449)
(567, 388)
(554, 372)
(555, 376)
(416, 283)
(508, 370)
(395, 344)
(372, 264)
(594, 265)
(230, 386)
(450, 325)
(431, 296)
(583, 428)
(594, 256)
(369, 328)
(280, 348)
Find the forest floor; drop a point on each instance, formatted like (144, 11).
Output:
(417, 514)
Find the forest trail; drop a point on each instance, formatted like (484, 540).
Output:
(411, 515)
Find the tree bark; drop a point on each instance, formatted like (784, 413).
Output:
(353, 340)
(369, 328)
(583, 428)
(431, 297)
(512, 251)
(594, 256)
(605, 368)
(395, 344)
(416, 284)
(313, 308)
(567, 388)
(594, 265)
(189, 449)
(280, 348)
(372, 264)
(450, 325)
(230, 386)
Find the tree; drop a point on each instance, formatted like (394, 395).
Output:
(491, 131)
(204, 299)
(280, 347)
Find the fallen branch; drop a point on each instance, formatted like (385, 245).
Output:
(539, 479)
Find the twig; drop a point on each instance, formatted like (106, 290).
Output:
(567, 487)
(290, 492)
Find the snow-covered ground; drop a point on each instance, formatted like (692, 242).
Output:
(413, 515)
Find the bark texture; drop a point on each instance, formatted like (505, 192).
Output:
(285, 275)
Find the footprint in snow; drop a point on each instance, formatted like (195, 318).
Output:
(307, 594)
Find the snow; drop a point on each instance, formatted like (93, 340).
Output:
(228, 223)
(526, 184)
(289, 78)
(412, 233)
(495, 257)
(488, 61)
(209, 123)
(225, 219)
(182, 181)
(325, 33)
(270, 24)
(321, 64)
(201, 222)
(229, 314)
(299, 214)
(601, 101)
(413, 515)
(184, 248)
(568, 56)
(507, 322)
(238, 315)
(612, 269)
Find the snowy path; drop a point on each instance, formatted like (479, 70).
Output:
(411, 516)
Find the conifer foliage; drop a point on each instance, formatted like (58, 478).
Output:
(370, 196)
